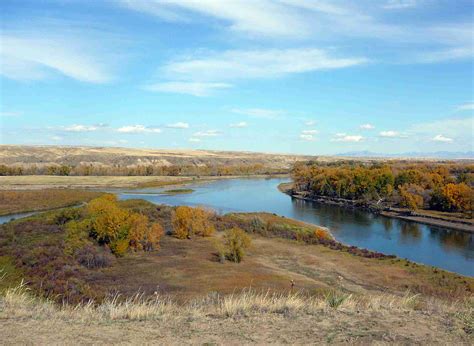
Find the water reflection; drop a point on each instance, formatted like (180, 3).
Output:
(409, 232)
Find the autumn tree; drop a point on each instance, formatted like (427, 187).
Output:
(236, 241)
(453, 197)
(187, 221)
(410, 196)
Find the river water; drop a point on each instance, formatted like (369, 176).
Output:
(444, 248)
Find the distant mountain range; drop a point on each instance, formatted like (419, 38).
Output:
(434, 155)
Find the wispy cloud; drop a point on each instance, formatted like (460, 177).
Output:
(448, 54)
(138, 129)
(307, 137)
(367, 127)
(250, 64)
(239, 125)
(400, 4)
(465, 107)
(80, 128)
(207, 133)
(36, 55)
(342, 137)
(450, 127)
(441, 138)
(191, 88)
(389, 134)
(194, 140)
(259, 112)
(310, 122)
(178, 125)
(10, 114)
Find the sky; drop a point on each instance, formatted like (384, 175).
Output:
(288, 76)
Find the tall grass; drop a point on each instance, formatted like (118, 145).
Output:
(18, 302)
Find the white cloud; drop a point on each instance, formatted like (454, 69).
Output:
(342, 137)
(465, 107)
(34, 56)
(309, 132)
(178, 125)
(260, 112)
(441, 138)
(310, 122)
(307, 137)
(239, 125)
(191, 88)
(138, 129)
(56, 138)
(194, 140)
(80, 128)
(207, 133)
(367, 127)
(389, 134)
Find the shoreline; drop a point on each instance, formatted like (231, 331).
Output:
(40, 182)
(457, 225)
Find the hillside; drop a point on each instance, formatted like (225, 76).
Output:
(127, 157)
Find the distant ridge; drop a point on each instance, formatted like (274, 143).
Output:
(434, 155)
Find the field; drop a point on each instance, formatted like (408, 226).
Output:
(25, 201)
(37, 182)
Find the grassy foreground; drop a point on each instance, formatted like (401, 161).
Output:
(248, 317)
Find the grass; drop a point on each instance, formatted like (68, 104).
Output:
(177, 191)
(37, 200)
(139, 307)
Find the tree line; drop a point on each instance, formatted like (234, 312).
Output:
(444, 187)
(140, 170)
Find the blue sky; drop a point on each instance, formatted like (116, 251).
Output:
(290, 76)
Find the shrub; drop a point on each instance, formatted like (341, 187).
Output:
(77, 236)
(235, 243)
(91, 256)
(151, 239)
(66, 215)
(187, 221)
(335, 299)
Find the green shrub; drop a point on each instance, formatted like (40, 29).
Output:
(236, 241)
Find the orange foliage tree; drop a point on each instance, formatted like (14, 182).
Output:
(187, 221)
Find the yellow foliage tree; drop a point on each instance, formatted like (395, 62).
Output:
(410, 197)
(187, 221)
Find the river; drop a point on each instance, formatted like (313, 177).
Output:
(444, 248)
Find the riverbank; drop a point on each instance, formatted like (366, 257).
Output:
(427, 218)
(39, 182)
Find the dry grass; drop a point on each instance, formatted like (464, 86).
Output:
(18, 302)
(25, 201)
(77, 182)
(246, 317)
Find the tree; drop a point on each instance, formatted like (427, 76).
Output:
(187, 221)
(236, 241)
(410, 197)
(453, 197)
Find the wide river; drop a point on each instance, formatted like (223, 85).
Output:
(448, 249)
